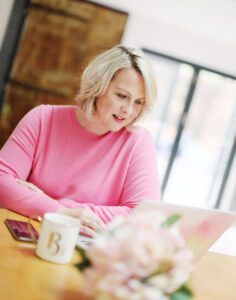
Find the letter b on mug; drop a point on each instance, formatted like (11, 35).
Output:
(58, 237)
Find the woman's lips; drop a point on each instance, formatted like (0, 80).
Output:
(118, 118)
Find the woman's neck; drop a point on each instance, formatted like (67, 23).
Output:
(91, 124)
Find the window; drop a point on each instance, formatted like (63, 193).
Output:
(193, 123)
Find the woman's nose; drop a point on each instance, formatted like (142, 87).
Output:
(127, 108)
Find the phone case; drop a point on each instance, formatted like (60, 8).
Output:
(20, 230)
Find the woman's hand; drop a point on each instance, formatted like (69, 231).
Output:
(90, 222)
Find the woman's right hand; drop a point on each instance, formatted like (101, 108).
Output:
(90, 222)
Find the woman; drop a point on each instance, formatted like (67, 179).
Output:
(88, 160)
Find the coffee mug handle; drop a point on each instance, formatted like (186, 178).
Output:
(30, 227)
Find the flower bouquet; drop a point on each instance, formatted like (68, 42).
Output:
(140, 257)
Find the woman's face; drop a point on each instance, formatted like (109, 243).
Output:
(122, 102)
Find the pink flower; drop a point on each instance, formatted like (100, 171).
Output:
(137, 258)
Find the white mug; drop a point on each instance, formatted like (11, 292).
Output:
(58, 237)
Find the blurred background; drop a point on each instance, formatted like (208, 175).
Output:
(45, 44)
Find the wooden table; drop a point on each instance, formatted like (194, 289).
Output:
(24, 276)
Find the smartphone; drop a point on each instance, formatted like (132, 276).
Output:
(20, 230)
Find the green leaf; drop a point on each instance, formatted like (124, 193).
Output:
(164, 267)
(183, 293)
(85, 262)
(171, 220)
(83, 265)
(82, 252)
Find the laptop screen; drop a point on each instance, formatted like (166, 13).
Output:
(200, 227)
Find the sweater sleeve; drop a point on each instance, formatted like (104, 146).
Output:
(142, 181)
(16, 159)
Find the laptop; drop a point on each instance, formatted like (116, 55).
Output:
(200, 227)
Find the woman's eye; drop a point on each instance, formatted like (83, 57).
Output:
(121, 96)
(139, 102)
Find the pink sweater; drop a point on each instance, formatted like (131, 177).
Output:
(75, 168)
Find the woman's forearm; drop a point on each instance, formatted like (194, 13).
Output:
(23, 199)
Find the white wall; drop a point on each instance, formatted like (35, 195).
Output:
(5, 9)
(201, 31)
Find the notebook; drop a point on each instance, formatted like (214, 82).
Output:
(84, 241)
(200, 227)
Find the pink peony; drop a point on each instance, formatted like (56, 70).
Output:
(137, 258)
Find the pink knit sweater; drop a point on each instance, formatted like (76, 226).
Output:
(75, 168)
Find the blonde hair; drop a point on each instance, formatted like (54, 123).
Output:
(103, 69)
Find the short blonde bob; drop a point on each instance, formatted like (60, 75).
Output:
(103, 68)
